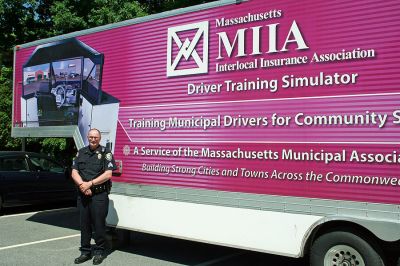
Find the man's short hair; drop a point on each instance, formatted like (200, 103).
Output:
(95, 129)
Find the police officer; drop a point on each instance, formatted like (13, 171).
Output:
(91, 172)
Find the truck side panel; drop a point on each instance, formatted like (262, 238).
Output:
(270, 115)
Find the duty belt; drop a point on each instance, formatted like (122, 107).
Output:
(96, 189)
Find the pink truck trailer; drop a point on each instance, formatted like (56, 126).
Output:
(271, 126)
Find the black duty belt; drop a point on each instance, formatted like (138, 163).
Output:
(96, 189)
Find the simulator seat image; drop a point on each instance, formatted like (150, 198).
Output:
(48, 113)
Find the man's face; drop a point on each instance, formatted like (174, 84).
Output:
(94, 139)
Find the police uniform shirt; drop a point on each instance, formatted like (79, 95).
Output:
(91, 164)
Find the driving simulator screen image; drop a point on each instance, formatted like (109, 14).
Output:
(62, 86)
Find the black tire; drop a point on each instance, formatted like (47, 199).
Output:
(331, 248)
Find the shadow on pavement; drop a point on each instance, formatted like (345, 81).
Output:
(187, 252)
(68, 217)
(173, 250)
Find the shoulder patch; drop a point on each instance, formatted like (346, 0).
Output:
(108, 156)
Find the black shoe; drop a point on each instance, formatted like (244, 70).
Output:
(98, 259)
(82, 258)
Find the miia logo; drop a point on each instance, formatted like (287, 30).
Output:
(187, 49)
(293, 36)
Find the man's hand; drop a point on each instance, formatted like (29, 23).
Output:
(85, 186)
(88, 193)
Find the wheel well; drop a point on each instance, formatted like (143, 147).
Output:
(347, 226)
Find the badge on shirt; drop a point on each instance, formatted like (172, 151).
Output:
(99, 156)
(108, 156)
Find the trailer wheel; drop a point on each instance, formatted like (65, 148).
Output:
(343, 249)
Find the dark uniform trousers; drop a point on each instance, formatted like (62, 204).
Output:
(94, 210)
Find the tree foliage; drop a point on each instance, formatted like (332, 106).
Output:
(157, 6)
(6, 142)
(69, 16)
(22, 21)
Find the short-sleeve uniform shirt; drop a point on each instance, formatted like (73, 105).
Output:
(90, 164)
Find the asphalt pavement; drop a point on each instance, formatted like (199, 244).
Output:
(51, 237)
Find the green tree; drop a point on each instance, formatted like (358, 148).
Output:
(69, 16)
(6, 142)
(22, 21)
(63, 149)
(157, 6)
